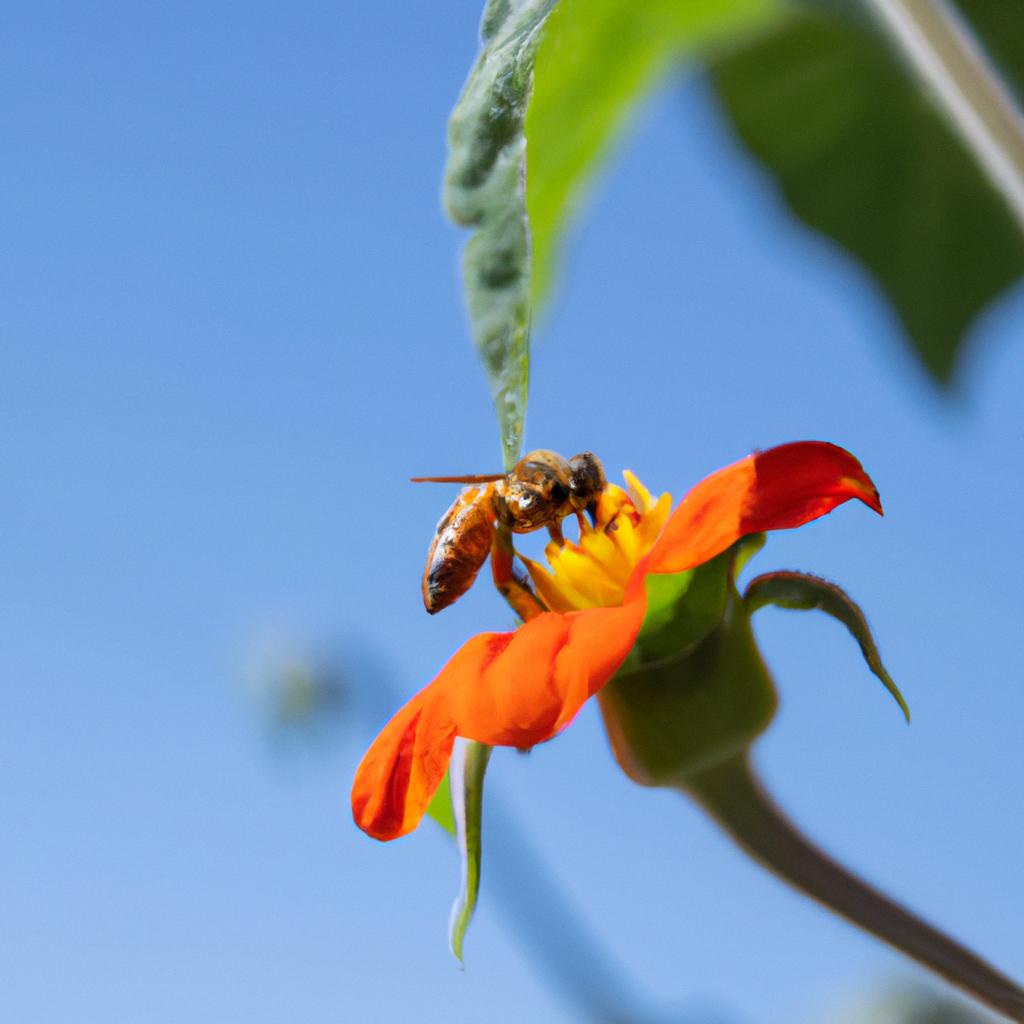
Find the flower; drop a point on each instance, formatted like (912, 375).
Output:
(523, 687)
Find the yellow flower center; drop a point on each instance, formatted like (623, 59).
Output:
(594, 571)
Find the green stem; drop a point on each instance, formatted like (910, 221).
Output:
(945, 55)
(730, 793)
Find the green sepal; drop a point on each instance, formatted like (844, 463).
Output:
(682, 609)
(440, 807)
(802, 592)
(706, 696)
(470, 765)
(744, 550)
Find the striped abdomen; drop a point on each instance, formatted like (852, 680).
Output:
(460, 547)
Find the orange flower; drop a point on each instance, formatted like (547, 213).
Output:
(521, 688)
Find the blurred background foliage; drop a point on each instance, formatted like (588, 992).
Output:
(860, 154)
(821, 100)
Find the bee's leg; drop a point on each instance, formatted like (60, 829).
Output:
(582, 523)
(511, 586)
(555, 530)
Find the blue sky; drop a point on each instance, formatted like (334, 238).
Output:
(231, 329)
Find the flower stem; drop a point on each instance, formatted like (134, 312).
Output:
(946, 56)
(731, 794)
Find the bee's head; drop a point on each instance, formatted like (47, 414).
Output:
(586, 483)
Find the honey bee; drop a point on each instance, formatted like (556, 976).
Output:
(542, 490)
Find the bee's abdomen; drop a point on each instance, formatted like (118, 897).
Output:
(460, 547)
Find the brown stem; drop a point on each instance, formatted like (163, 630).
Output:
(731, 794)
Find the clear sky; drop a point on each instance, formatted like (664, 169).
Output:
(230, 329)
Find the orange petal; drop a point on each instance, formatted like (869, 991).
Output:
(506, 689)
(778, 489)
(401, 771)
(518, 689)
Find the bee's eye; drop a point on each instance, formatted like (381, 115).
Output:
(558, 493)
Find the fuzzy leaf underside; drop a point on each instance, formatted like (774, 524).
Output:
(484, 190)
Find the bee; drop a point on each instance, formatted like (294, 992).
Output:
(542, 490)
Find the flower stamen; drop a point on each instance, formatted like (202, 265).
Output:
(593, 571)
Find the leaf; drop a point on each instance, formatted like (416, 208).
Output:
(470, 764)
(440, 807)
(803, 592)
(597, 61)
(484, 190)
(862, 155)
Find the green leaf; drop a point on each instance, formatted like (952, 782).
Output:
(861, 154)
(470, 764)
(440, 807)
(804, 593)
(598, 60)
(484, 190)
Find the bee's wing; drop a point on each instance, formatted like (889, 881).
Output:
(479, 478)
(460, 547)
